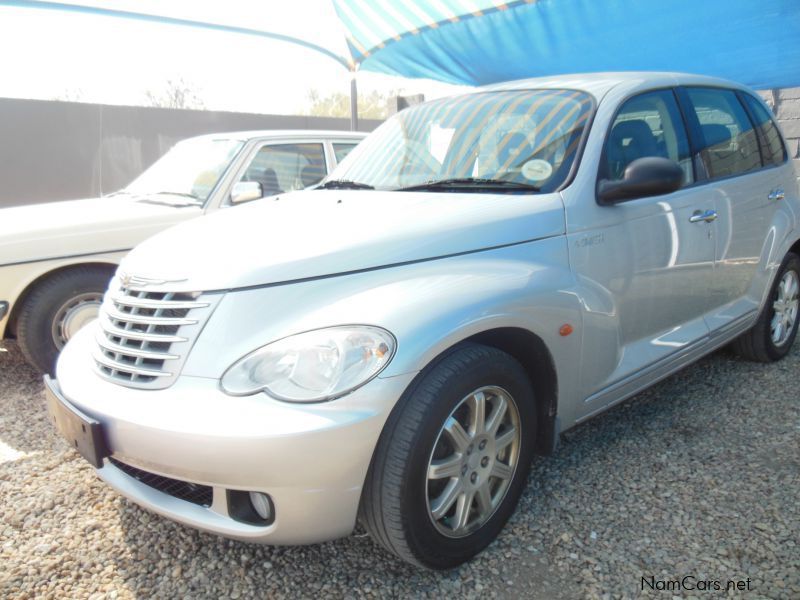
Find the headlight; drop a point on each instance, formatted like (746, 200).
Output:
(317, 365)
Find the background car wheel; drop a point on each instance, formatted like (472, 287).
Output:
(452, 460)
(55, 309)
(773, 334)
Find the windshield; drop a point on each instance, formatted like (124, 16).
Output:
(190, 169)
(529, 137)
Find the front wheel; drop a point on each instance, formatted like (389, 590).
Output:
(773, 334)
(453, 459)
(55, 309)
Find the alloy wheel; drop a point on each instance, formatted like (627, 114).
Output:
(473, 461)
(785, 308)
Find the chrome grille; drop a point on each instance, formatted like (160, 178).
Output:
(146, 335)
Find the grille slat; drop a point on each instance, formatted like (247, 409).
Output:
(106, 344)
(143, 302)
(137, 319)
(115, 364)
(145, 335)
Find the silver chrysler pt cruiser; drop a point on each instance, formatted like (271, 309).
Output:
(482, 273)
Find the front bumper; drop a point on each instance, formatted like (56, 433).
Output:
(311, 459)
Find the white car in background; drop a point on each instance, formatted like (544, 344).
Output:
(56, 259)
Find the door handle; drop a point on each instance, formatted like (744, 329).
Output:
(777, 194)
(700, 215)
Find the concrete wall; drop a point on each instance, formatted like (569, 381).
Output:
(785, 103)
(51, 150)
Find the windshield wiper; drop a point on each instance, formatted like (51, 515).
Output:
(195, 200)
(470, 182)
(181, 194)
(343, 184)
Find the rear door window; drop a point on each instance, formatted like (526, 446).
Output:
(771, 143)
(728, 141)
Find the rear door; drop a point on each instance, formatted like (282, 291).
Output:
(738, 163)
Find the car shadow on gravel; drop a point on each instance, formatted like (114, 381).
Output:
(655, 485)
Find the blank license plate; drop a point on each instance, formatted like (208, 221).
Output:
(81, 431)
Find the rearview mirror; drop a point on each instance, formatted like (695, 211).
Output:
(649, 176)
(244, 191)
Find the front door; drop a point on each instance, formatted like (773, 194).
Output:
(646, 265)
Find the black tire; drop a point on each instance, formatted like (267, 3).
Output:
(43, 304)
(757, 343)
(395, 506)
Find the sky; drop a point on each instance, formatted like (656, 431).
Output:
(69, 56)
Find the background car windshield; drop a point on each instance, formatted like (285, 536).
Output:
(191, 168)
(529, 136)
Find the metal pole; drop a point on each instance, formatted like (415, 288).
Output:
(353, 102)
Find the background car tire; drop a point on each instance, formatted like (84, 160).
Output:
(396, 505)
(758, 343)
(49, 306)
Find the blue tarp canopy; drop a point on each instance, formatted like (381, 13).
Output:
(756, 42)
(473, 42)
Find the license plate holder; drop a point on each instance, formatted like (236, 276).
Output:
(82, 432)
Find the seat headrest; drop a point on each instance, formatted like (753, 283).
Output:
(715, 134)
(635, 129)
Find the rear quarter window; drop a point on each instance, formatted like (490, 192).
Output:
(771, 142)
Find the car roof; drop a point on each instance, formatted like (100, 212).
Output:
(598, 84)
(282, 134)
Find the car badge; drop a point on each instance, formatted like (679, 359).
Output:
(129, 280)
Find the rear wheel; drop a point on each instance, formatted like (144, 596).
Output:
(55, 309)
(773, 334)
(453, 459)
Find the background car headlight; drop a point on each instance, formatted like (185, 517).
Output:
(317, 365)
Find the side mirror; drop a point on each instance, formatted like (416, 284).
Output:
(244, 191)
(649, 176)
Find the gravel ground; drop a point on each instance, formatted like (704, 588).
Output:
(698, 476)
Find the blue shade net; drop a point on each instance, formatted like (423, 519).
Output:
(475, 42)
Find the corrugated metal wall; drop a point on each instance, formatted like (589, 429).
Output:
(51, 150)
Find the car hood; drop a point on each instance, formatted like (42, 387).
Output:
(326, 232)
(90, 226)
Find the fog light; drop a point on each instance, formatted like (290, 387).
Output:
(261, 505)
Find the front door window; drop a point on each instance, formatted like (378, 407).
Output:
(647, 125)
(286, 167)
